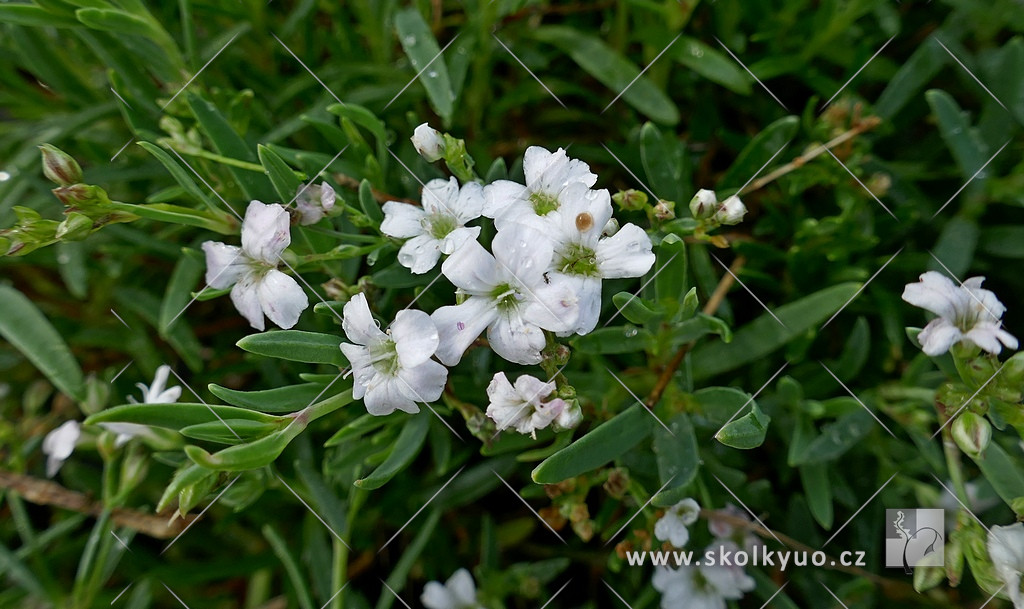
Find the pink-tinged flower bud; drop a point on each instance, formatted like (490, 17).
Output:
(59, 167)
(703, 204)
(731, 211)
(74, 194)
(972, 433)
(428, 142)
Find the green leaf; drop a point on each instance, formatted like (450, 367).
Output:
(665, 163)
(818, 490)
(278, 399)
(187, 273)
(282, 177)
(362, 117)
(34, 16)
(1003, 241)
(759, 151)
(229, 431)
(291, 567)
(1002, 472)
(955, 247)
(601, 445)
(178, 415)
(617, 339)
(296, 346)
(837, 438)
(970, 152)
(677, 457)
(697, 327)
(25, 327)
(244, 457)
(175, 214)
(636, 309)
(230, 144)
(711, 64)
(369, 203)
(406, 447)
(612, 70)
(747, 431)
(765, 334)
(363, 425)
(117, 21)
(425, 55)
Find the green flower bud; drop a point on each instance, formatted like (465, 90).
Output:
(630, 200)
(972, 433)
(75, 227)
(97, 392)
(665, 210)
(59, 167)
(703, 204)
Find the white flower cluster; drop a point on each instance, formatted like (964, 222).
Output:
(700, 586)
(543, 273)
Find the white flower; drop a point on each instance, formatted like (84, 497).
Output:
(726, 531)
(459, 592)
(313, 202)
(439, 227)
(551, 179)
(704, 586)
(703, 204)
(731, 211)
(966, 313)
(392, 370)
(672, 527)
(523, 406)
(156, 393)
(59, 444)
(585, 257)
(428, 142)
(259, 288)
(1006, 549)
(508, 293)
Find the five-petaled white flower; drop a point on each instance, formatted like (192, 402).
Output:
(392, 370)
(673, 525)
(584, 257)
(459, 592)
(551, 179)
(428, 142)
(59, 444)
(966, 313)
(508, 294)
(704, 586)
(1006, 549)
(155, 393)
(258, 287)
(313, 201)
(439, 227)
(525, 406)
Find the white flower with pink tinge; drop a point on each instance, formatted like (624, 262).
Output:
(392, 370)
(257, 287)
(966, 313)
(673, 526)
(552, 178)
(526, 406)
(508, 294)
(313, 202)
(705, 586)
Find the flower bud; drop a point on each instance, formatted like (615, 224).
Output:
(703, 204)
(75, 227)
(59, 167)
(428, 142)
(630, 200)
(75, 194)
(972, 433)
(731, 211)
(610, 228)
(665, 210)
(569, 418)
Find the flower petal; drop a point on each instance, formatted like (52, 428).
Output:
(462, 589)
(555, 305)
(59, 444)
(469, 205)
(415, 337)
(522, 253)
(362, 370)
(459, 237)
(402, 220)
(516, 340)
(386, 397)
(265, 232)
(359, 325)
(246, 298)
(420, 254)
(626, 254)
(459, 325)
(224, 264)
(936, 293)
(436, 596)
(281, 298)
(499, 195)
(471, 268)
(423, 383)
(440, 196)
(938, 336)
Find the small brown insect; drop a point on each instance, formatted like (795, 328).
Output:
(584, 222)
